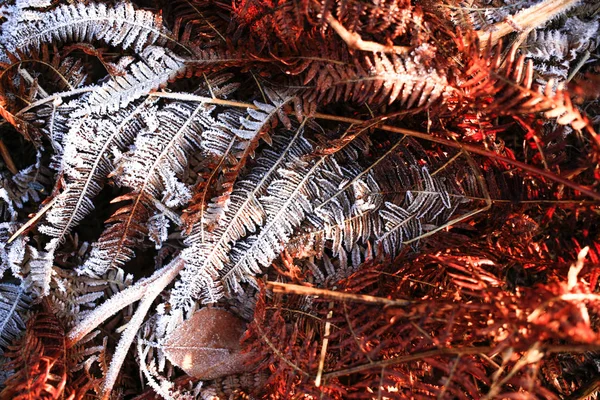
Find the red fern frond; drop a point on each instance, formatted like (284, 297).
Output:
(40, 361)
(505, 86)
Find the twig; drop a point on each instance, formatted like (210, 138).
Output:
(206, 20)
(116, 303)
(354, 41)
(55, 97)
(449, 379)
(10, 164)
(586, 56)
(47, 65)
(306, 314)
(498, 157)
(410, 357)
(324, 346)
(524, 20)
(288, 288)
(32, 220)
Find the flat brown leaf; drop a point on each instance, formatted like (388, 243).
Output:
(207, 346)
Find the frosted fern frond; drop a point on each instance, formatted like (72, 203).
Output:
(553, 50)
(419, 212)
(56, 127)
(231, 143)
(39, 268)
(87, 163)
(75, 296)
(209, 251)
(547, 45)
(159, 157)
(7, 208)
(12, 255)
(28, 183)
(348, 220)
(288, 201)
(259, 118)
(381, 79)
(483, 14)
(331, 193)
(219, 140)
(179, 131)
(14, 301)
(158, 226)
(121, 25)
(157, 67)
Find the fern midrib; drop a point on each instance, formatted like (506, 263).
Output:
(99, 158)
(277, 216)
(142, 191)
(224, 238)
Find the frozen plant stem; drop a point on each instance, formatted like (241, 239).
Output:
(145, 287)
(525, 20)
(132, 328)
(354, 41)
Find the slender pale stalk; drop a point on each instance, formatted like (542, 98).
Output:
(525, 20)
(133, 326)
(355, 41)
(158, 281)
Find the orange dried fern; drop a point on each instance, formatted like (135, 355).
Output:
(39, 359)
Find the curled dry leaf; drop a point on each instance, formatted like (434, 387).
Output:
(207, 346)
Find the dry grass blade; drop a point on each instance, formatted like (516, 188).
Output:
(288, 288)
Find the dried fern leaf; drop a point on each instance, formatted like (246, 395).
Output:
(40, 360)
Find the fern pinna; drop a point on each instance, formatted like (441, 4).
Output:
(178, 154)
